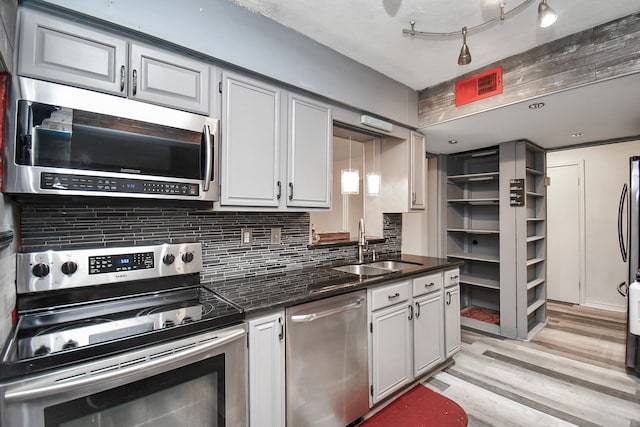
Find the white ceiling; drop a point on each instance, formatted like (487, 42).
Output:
(370, 32)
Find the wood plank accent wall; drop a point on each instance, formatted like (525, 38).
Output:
(603, 52)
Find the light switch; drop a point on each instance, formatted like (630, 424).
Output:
(247, 236)
(276, 235)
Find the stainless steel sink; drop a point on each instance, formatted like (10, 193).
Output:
(392, 265)
(363, 269)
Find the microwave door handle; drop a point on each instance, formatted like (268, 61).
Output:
(208, 153)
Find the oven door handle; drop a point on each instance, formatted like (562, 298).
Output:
(23, 393)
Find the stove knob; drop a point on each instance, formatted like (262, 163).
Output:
(187, 319)
(168, 259)
(169, 323)
(40, 270)
(42, 350)
(69, 268)
(187, 257)
(69, 344)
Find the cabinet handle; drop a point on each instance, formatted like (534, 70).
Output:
(291, 191)
(279, 190)
(417, 310)
(396, 295)
(135, 82)
(410, 312)
(453, 278)
(448, 298)
(413, 197)
(122, 77)
(428, 285)
(281, 334)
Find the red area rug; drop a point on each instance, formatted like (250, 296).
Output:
(482, 314)
(419, 407)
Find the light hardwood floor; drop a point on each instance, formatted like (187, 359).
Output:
(571, 373)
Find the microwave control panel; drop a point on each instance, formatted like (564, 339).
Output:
(71, 182)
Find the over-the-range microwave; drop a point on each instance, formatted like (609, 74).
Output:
(67, 141)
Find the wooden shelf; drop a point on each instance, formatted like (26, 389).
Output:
(478, 281)
(537, 328)
(534, 238)
(475, 257)
(472, 231)
(535, 305)
(487, 201)
(474, 177)
(534, 261)
(480, 325)
(536, 282)
(534, 171)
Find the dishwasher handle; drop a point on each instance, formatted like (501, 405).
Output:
(310, 317)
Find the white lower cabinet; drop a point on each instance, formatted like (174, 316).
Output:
(412, 329)
(452, 312)
(267, 371)
(391, 350)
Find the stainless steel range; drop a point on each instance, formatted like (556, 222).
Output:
(99, 324)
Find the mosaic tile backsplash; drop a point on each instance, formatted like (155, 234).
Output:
(54, 226)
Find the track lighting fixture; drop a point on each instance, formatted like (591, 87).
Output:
(546, 17)
(465, 56)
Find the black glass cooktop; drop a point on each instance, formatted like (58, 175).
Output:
(70, 333)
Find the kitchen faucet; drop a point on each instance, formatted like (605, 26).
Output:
(362, 241)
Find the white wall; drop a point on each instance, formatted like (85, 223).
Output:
(230, 33)
(606, 169)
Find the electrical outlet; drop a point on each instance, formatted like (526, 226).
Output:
(276, 235)
(246, 236)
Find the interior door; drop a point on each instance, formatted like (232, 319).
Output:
(563, 233)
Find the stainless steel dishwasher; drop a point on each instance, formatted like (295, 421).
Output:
(327, 364)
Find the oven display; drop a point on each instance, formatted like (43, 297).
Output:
(124, 262)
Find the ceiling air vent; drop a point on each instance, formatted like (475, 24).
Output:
(480, 86)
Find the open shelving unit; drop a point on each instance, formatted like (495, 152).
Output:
(502, 243)
(473, 234)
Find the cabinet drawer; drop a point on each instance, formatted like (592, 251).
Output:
(451, 278)
(425, 284)
(389, 295)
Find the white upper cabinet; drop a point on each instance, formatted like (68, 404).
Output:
(65, 52)
(275, 153)
(417, 175)
(309, 153)
(165, 78)
(250, 151)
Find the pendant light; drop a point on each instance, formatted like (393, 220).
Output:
(350, 178)
(465, 56)
(546, 15)
(373, 178)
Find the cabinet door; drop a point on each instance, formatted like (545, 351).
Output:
(310, 161)
(428, 332)
(250, 143)
(59, 51)
(266, 371)
(452, 320)
(391, 350)
(417, 174)
(165, 78)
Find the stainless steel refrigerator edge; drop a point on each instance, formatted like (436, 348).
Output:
(632, 356)
(327, 361)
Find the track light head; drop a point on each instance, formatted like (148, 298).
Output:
(546, 15)
(465, 56)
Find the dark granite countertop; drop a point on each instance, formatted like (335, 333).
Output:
(288, 288)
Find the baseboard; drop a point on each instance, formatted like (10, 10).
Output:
(603, 306)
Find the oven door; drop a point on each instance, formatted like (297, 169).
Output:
(195, 381)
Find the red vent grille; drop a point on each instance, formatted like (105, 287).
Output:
(479, 86)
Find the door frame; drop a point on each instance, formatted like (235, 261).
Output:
(582, 232)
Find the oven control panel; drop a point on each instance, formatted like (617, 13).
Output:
(63, 269)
